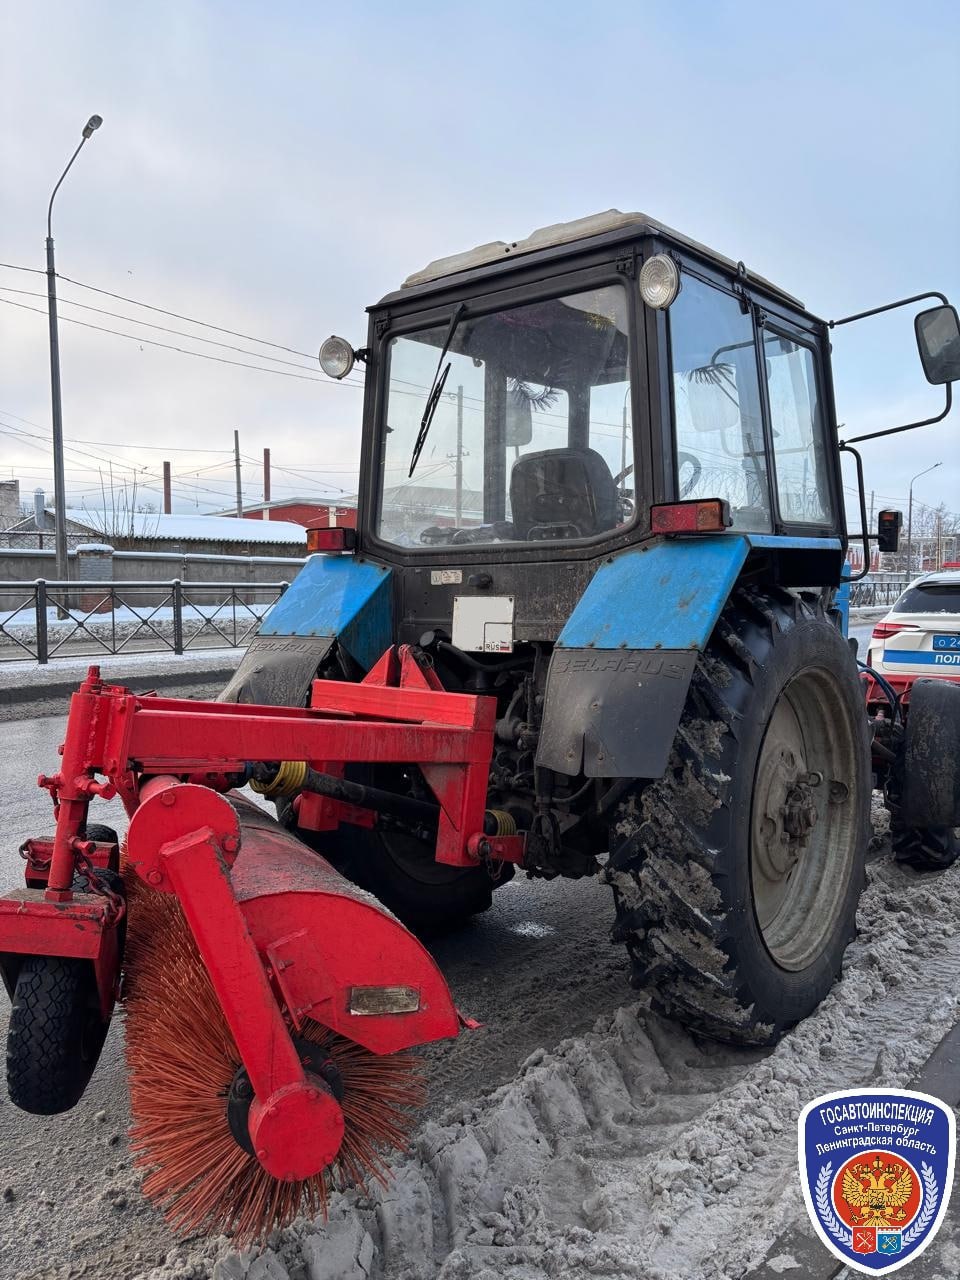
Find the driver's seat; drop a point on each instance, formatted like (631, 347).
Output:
(562, 493)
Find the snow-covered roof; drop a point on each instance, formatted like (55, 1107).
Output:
(563, 233)
(278, 504)
(195, 528)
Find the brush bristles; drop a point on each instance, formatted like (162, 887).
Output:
(181, 1059)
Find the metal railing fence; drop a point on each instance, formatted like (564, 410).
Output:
(867, 594)
(44, 619)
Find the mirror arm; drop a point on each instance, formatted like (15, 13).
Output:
(892, 431)
(864, 533)
(889, 306)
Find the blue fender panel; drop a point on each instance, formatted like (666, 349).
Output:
(665, 595)
(338, 596)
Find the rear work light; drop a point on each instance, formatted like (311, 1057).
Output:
(330, 539)
(710, 515)
(884, 629)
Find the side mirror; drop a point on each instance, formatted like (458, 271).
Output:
(519, 424)
(888, 530)
(938, 341)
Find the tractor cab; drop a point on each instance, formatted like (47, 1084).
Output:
(534, 407)
(554, 389)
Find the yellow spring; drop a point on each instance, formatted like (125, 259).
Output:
(506, 826)
(288, 781)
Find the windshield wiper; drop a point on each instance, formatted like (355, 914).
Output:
(436, 390)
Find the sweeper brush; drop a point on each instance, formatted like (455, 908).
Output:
(189, 1093)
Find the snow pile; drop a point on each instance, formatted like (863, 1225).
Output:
(636, 1150)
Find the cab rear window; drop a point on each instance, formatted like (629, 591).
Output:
(937, 597)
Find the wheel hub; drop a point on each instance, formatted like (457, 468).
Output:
(240, 1095)
(801, 835)
(787, 812)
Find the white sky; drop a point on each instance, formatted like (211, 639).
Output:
(276, 168)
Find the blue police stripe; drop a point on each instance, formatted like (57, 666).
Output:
(922, 657)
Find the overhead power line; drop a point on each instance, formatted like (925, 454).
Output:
(204, 324)
(147, 324)
(198, 355)
(175, 315)
(116, 444)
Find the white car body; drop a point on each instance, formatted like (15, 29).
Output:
(920, 636)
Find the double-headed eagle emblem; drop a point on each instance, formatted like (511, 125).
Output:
(877, 1193)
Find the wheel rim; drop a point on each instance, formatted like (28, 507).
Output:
(803, 831)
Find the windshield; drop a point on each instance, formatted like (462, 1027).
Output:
(532, 437)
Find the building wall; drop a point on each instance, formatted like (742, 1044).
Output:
(306, 513)
(147, 567)
(9, 503)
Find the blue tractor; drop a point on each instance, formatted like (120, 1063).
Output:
(601, 485)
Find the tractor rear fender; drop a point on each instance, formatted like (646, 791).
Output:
(622, 665)
(332, 598)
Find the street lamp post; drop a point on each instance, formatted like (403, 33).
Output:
(910, 519)
(59, 495)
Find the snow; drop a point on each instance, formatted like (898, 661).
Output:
(115, 668)
(142, 524)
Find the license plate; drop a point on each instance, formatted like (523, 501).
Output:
(943, 641)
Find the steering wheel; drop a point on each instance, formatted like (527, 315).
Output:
(689, 460)
(683, 459)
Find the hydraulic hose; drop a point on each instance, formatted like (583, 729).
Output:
(291, 776)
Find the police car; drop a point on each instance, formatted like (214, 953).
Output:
(920, 636)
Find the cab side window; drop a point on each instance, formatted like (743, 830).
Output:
(797, 427)
(717, 411)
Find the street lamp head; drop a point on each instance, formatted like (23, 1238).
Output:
(93, 123)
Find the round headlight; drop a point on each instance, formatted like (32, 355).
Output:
(336, 357)
(659, 281)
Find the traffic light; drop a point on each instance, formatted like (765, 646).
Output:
(888, 530)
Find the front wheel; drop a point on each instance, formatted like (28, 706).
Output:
(55, 1034)
(737, 875)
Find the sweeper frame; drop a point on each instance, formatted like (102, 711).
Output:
(248, 889)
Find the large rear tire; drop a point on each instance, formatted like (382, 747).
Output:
(55, 1034)
(737, 875)
(399, 868)
(402, 872)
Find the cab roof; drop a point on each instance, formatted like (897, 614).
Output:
(580, 229)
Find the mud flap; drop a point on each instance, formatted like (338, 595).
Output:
(613, 714)
(619, 676)
(276, 671)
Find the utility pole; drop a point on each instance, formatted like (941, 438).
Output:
(167, 495)
(459, 462)
(623, 444)
(910, 519)
(236, 467)
(59, 481)
(266, 484)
